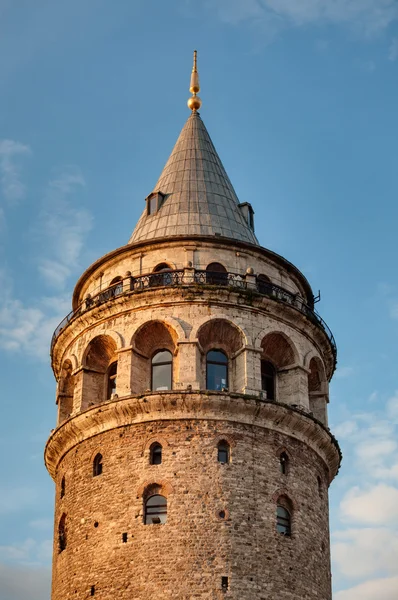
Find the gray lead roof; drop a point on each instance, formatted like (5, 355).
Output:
(199, 197)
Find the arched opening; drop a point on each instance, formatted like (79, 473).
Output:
(317, 390)
(216, 274)
(66, 392)
(155, 454)
(277, 354)
(223, 452)
(156, 510)
(62, 492)
(162, 371)
(268, 377)
(116, 286)
(216, 370)
(100, 370)
(283, 463)
(284, 511)
(264, 284)
(162, 275)
(62, 534)
(97, 465)
(112, 377)
(220, 342)
(149, 343)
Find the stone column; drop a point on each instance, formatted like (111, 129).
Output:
(292, 386)
(189, 369)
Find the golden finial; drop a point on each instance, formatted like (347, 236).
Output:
(194, 103)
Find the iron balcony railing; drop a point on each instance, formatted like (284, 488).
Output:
(193, 277)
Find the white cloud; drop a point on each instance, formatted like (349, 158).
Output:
(377, 505)
(11, 185)
(344, 372)
(345, 429)
(25, 328)
(393, 51)
(365, 16)
(22, 583)
(365, 552)
(380, 589)
(62, 228)
(29, 552)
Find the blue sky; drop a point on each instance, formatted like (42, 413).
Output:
(300, 99)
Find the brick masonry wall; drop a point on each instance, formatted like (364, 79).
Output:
(187, 557)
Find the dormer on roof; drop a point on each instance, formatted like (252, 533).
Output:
(154, 202)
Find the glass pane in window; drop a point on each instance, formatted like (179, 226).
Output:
(161, 377)
(156, 510)
(153, 204)
(162, 357)
(217, 356)
(222, 455)
(216, 376)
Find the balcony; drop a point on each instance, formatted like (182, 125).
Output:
(189, 277)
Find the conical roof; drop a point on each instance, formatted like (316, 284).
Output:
(198, 196)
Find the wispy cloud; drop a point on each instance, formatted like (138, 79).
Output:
(62, 228)
(382, 589)
(28, 328)
(365, 552)
(24, 583)
(343, 372)
(367, 17)
(12, 187)
(29, 552)
(377, 505)
(393, 51)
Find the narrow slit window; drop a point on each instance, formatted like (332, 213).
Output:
(283, 520)
(283, 463)
(97, 465)
(156, 454)
(62, 494)
(223, 452)
(62, 534)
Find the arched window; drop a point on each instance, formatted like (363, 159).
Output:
(155, 510)
(223, 452)
(97, 465)
(62, 533)
(216, 274)
(62, 494)
(116, 286)
(112, 376)
(162, 368)
(155, 457)
(268, 379)
(164, 275)
(264, 284)
(216, 370)
(283, 463)
(283, 520)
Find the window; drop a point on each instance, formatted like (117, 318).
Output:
(223, 452)
(97, 465)
(117, 286)
(283, 463)
(156, 454)
(216, 370)
(163, 275)
(320, 489)
(62, 494)
(154, 202)
(283, 520)
(112, 376)
(264, 284)
(162, 367)
(156, 510)
(216, 274)
(268, 379)
(62, 533)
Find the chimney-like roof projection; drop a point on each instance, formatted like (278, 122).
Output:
(194, 195)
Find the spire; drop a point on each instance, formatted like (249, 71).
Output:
(194, 103)
(193, 195)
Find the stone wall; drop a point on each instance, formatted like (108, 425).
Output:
(188, 556)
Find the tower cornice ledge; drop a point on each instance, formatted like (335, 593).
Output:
(237, 408)
(197, 240)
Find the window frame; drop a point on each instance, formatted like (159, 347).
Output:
(283, 522)
(213, 362)
(268, 377)
(97, 465)
(162, 511)
(161, 364)
(224, 446)
(111, 379)
(156, 450)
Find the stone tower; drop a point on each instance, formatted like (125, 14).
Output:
(192, 456)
